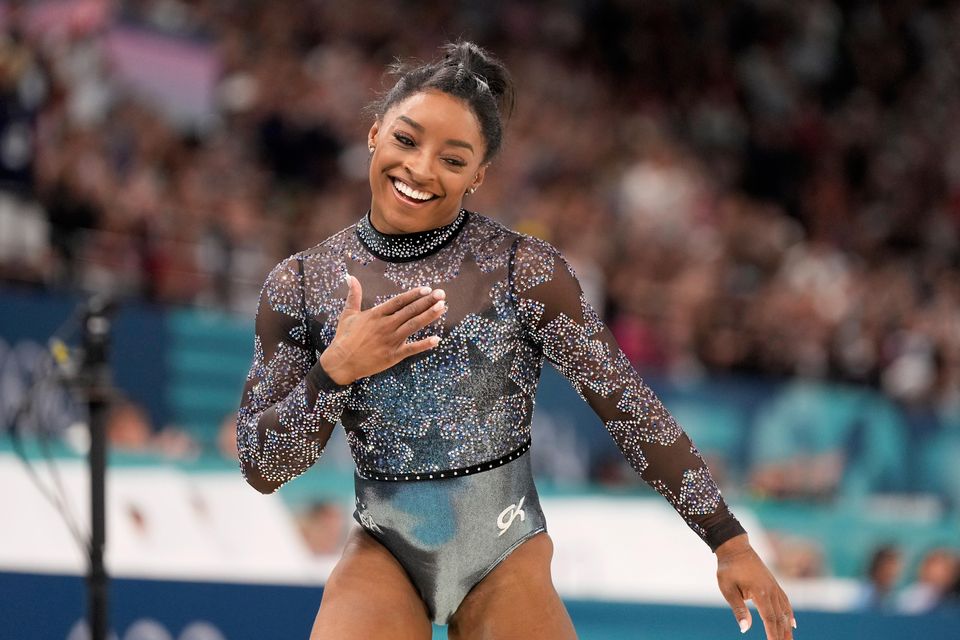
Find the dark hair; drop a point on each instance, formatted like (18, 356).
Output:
(880, 555)
(466, 71)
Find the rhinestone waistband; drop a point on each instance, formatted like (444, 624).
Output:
(446, 473)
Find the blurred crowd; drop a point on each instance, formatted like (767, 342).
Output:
(934, 586)
(766, 187)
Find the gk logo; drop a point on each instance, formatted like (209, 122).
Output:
(369, 523)
(508, 515)
(366, 520)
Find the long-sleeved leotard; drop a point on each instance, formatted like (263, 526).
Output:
(465, 406)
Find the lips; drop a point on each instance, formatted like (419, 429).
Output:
(408, 195)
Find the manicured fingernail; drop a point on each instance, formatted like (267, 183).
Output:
(435, 340)
(744, 625)
(793, 622)
(439, 305)
(425, 290)
(439, 294)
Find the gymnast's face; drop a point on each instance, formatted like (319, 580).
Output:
(428, 151)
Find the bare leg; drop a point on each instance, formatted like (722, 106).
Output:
(370, 597)
(515, 600)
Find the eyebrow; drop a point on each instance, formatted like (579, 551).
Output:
(419, 127)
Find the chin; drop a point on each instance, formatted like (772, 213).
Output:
(402, 221)
(411, 219)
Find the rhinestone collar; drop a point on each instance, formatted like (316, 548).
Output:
(404, 247)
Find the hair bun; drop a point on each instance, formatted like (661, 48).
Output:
(485, 67)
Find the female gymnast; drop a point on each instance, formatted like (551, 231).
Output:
(423, 328)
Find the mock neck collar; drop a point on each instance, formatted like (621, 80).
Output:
(404, 247)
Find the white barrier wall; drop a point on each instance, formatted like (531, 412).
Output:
(161, 523)
(165, 523)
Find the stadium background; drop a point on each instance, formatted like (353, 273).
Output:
(763, 198)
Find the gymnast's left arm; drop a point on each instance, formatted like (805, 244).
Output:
(562, 323)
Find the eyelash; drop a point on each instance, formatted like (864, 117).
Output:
(406, 141)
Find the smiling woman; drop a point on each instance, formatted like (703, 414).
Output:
(427, 152)
(435, 132)
(423, 329)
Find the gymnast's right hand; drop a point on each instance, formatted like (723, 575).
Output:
(368, 342)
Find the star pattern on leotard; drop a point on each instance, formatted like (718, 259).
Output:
(289, 445)
(574, 338)
(434, 405)
(513, 301)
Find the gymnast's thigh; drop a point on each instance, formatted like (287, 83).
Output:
(515, 600)
(370, 597)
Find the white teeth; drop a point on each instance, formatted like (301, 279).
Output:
(411, 192)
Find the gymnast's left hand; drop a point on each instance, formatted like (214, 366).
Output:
(742, 575)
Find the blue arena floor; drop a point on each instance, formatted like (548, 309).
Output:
(48, 607)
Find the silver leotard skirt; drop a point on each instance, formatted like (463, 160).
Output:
(448, 533)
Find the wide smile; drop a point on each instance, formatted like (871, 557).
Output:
(410, 196)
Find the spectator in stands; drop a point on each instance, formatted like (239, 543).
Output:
(129, 430)
(323, 525)
(796, 557)
(24, 86)
(883, 573)
(128, 427)
(936, 575)
(227, 437)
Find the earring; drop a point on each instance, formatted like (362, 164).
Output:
(471, 190)
(371, 148)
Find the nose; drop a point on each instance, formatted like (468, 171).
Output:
(418, 167)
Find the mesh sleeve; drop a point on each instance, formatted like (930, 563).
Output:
(289, 405)
(562, 323)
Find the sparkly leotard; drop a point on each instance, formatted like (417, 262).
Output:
(440, 439)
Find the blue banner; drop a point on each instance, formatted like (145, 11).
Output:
(137, 355)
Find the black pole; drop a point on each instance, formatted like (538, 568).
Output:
(97, 378)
